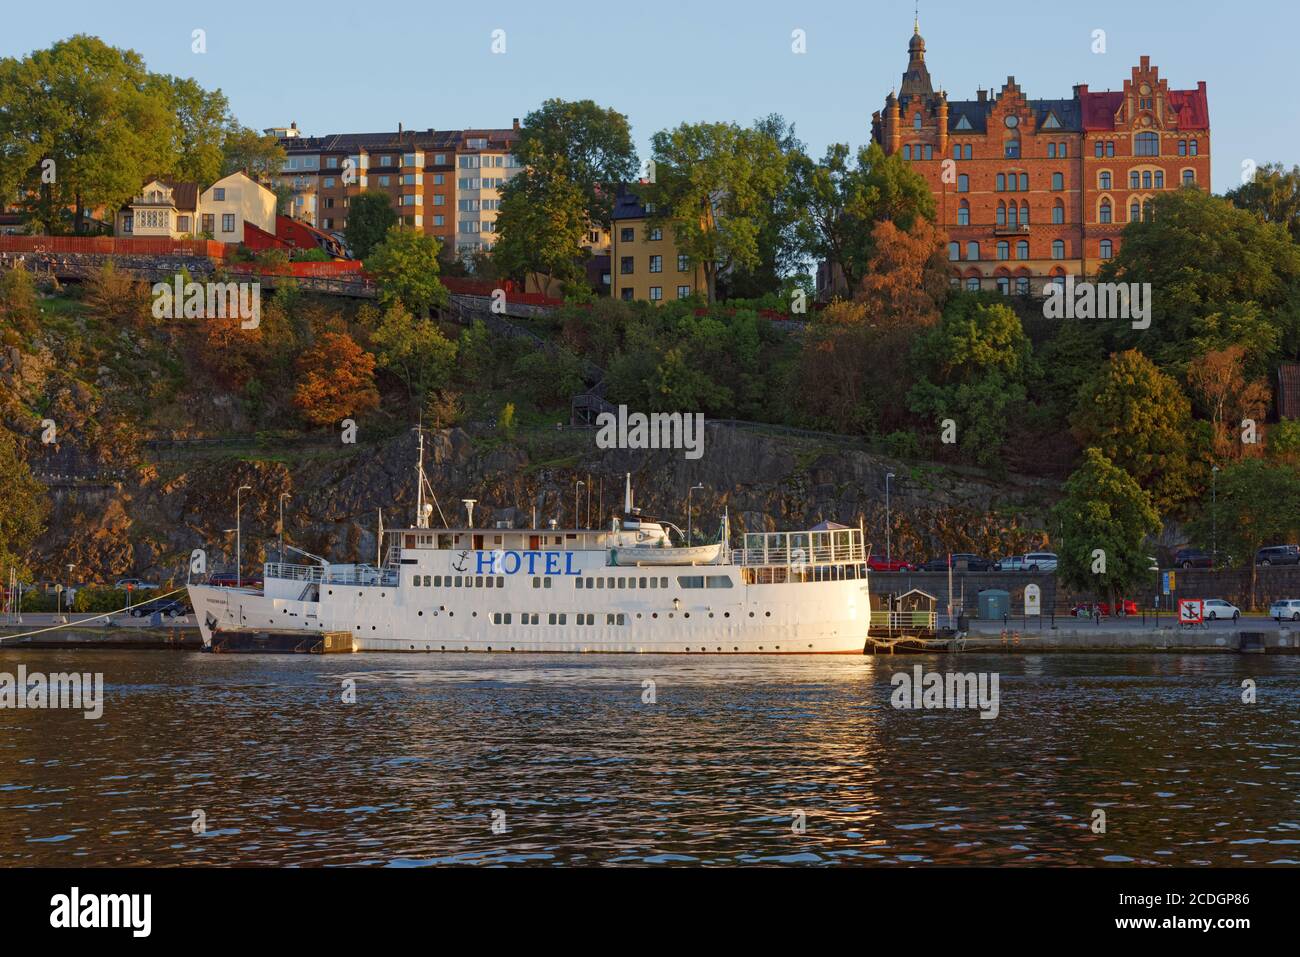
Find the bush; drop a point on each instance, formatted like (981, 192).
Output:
(100, 600)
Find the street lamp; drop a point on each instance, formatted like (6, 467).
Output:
(283, 496)
(1214, 512)
(693, 488)
(577, 491)
(239, 581)
(71, 591)
(888, 554)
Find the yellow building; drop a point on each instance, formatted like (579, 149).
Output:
(644, 260)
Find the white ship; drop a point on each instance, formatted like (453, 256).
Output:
(623, 589)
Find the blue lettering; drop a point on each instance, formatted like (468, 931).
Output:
(552, 563)
(532, 561)
(485, 563)
(505, 563)
(568, 564)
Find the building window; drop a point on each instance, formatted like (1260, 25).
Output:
(183, 223)
(1110, 147)
(1058, 181)
(1160, 179)
(1022, 249)
(973, 284)
(1000, 183)
(1064, 151)
(966, 151)
(627, 295)
(1097, 148)
(1058, 248)
(656, 263)
(1192, 146)
(439, 219)
(683, 262)
(907, 151)
(916, 121)
(656, 234)
(1134, 212)
(1189, 177)
(625, 265)
(683, 292)
(1058, 213)
(1004, 250)
(954, 251)
(1024, 182)
(963, 214)
(1105, 211)
(126, 223)
(1103, 180)
(1051, 151)
(1002, 214)
(1024, 214)
(972, 250)
(1146, 144)
(208, 223)
(956, 151)
(1022, 285)
(1182, 147)
(1146, 179)
(1004, 285)
(1011, 148)
(227, 222)
(439, 199)
(626, 235)
(219, 194)
(963, 183)
(656, 293)
(1107, 249)
(929, 151)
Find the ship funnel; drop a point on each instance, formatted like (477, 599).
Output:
(627, 495)
(469, 510)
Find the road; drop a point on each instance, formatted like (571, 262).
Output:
(46, 619)
(1135, 622)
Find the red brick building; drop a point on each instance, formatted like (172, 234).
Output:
(1032, 190)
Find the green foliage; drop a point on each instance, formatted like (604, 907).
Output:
(542, 223)
(972, 368)
(506, 421)
(259, 156)
(414, 349)
(1142, 419)
(1284, 442)
(203, 119)
(1273, 194)
(370, 218)
(26, 506)
(1104, 509)
(550, 378)
(405, 268)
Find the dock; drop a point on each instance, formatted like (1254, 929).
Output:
(274, 641)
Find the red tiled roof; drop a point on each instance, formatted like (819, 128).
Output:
(1192, 107)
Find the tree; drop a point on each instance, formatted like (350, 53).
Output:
(713, 183)
(91, 109)
(202, 122)
(116, 298)
(541, 224)
(370, 217)
(1284, 442)
(1142, 420)
(1102, 524)
(1258, 504)
(906, 281)
(1227, 397)
(583, 144)
(258, 156)
(18, 307)
(1219, 277)
(973, 367)
(778, 244)
(26, 506)
(842, 200)
(405, 267)
(415, 350)
(1273, 194)
(336, 381)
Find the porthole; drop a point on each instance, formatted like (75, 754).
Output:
(737, 648)
(489, 647)
(751, 614)
(420, 614)
(654, 614)
(512, 648)
(685, 615)
(726, 614)
(331, 591)
(473, 614)
(444, 647)
(710, 614)
(412, 647)
(768, 614)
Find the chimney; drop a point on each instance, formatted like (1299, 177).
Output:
(516, 123)
(981, 96)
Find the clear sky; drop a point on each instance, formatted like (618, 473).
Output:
(357, 67)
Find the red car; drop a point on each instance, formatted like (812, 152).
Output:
(878, 564)
(1086, 609)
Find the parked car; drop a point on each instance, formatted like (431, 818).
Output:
(135, 584)
(167, 607)
(1012, 563)
(1285, 608)
(1193, 558)
(1086, 609)
(1216, 608)
(1278, 555)
(1033, 562)
(973, 563)
(878, 564)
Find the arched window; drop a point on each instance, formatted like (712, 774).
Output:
(1022, 285)
(1134, 212)
(1024, 214)
(963, 214)
(973, 283)
(1058, 248)
(954, 251)
(1147, 212)
(1189, 177)
(1064, 151)
(1160, 179)
(1134, 180)
(972, 250)
(967, 152)
(1004, 249)
(963, 183)
(1013, 216)
(1024, 182)
(1058, 213)
(1146, 144)
(916, 121)
(1105, 211)
(1002, 214)
(1191, 144)
(1022, 249)
(1182, 147)
(1001, 182)
(1107, 249)
(1058, 181)
(907, 152)
(1103, 181)
(1004, 285)
(1146, 179)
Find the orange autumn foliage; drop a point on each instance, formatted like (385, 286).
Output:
(336, 381)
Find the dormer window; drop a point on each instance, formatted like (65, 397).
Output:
(916, 121)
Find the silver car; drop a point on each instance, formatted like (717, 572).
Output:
(1285, 608)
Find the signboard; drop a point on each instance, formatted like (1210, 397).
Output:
(1173, 581)
(1191, 611)
(1164, 582)
(1033, 600)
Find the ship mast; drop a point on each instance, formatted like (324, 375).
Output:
(420, 520)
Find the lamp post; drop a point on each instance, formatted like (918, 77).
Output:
(239, 581)
(71, 591)
(283, 496)
(693, 488)
(1214, 512)
(888, 554)
(577, 491)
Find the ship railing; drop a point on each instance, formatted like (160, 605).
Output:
(305, 573)
(904, 620)
(362, 575)
(795, 549)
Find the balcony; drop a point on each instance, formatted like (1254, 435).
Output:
(1021, 229)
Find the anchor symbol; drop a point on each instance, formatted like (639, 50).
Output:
(461, 566)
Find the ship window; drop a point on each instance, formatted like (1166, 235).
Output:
(622, 583)
(478, 581)
(718, 581)
(550, 619)
(642, 585)
(589, 583)
(577, 583)
(654, 583)
(537, 583)
(457, 585)
(546, 583)
(690, 581)
(416, 581)
(600, 583)
(428, 581)
(663, 582)
(609, 583)
(563, 616)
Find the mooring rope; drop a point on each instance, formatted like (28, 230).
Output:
(78, 624)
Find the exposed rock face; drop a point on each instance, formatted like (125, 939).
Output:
(150, 525)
